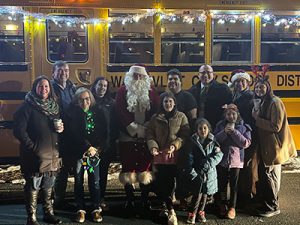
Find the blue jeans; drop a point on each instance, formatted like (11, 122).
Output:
(37, 182)
(94, 185)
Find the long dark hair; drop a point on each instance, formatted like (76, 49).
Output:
(93, 87)
(201, 121)
(37, 81)
(162, 97)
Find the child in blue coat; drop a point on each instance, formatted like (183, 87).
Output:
(203, 155)
(233, 136)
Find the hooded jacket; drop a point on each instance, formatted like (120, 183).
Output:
(233, 145)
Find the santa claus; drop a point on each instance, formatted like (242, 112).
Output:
(136, 102)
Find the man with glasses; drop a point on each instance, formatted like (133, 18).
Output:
(210, 95)
(64, 90)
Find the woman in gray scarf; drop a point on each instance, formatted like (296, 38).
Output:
(38, 135)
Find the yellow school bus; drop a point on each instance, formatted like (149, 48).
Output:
(106, 37)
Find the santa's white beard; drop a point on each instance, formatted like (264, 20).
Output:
(138, 99)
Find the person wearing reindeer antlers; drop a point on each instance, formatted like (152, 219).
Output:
(275, 141)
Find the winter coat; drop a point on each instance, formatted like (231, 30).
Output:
(218, 95)
(161, 133)
(106, 104)
(78, 141)
(233, 145)
(64, 96)
(276, 144)
(38, 140)
(244, 102)
(202, 161)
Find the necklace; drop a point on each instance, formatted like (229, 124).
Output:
(90, 123)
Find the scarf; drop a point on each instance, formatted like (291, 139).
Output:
(48, 107)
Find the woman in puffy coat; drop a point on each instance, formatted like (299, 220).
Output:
(166, 133)
(39, 156)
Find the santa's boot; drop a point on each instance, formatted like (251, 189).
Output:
(48, 207)
(129, 205)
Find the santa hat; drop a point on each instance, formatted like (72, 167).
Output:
(240, 75)
(138, 69)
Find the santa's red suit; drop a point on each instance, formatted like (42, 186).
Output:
(135, 156)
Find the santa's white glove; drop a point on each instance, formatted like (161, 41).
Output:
(132, 129)
(141, 130)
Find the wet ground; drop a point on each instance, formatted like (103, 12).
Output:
(12, 209)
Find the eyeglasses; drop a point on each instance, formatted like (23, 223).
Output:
(206, 72)
(84, 99)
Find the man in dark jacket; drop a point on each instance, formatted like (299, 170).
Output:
(64, 90)
(210, 95)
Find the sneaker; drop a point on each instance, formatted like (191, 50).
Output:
(80, 218)
(191, 218)
(172, 218)
(202, 217)
(270, 213)
(96, 215)
(231, 213)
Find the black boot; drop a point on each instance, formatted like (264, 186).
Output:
(31, 205)
(129, 205)
(48, 207)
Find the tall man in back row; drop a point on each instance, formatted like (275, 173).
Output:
(210, 95)
(64, 90)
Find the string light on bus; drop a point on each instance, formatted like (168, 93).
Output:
(13, 13)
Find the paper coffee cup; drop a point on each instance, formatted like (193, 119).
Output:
(231, 125)
(256, 103)
(57, 124)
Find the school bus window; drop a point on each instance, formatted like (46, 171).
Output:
(232, 40)
(280, 41)
(11, 39)
(67, 42)
(131, 42)
(182, 41)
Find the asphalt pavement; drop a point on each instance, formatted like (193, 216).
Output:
(14, 212)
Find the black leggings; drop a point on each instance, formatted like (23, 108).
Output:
(226, 175)
(166, 183)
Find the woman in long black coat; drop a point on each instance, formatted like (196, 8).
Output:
(39, 156)
(106, 104)
(243, 99)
